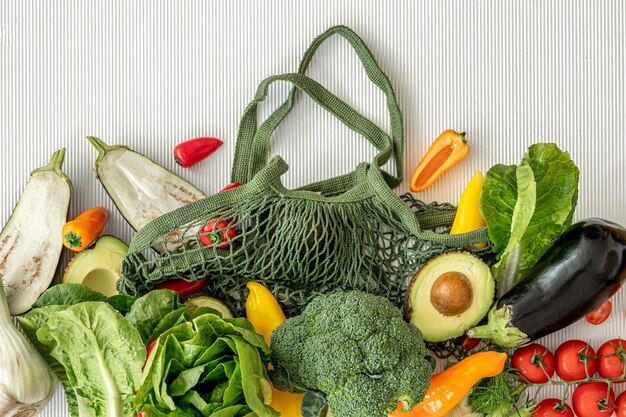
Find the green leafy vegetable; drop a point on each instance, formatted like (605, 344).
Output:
(497, 396)
(527, 207)
(149, 310)
(102, 355)
(205, 365)
(70, 294)
(30, 323)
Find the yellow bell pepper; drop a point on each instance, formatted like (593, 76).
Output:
(468, 215)
(265, 314)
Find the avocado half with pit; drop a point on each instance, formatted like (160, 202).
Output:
(98, 267)
(450, 294)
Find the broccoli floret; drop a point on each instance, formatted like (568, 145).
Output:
(357, 349)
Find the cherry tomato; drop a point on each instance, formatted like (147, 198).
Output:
(182, 287)
(468, 343)
(590, 400)
(534, 363)
(611, 356)
(569, 360)
(217, 232)
(620, 405)
(551, 407)
(600, 314)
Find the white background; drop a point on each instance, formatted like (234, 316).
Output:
(149, 74)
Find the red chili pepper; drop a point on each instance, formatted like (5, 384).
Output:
(231, 186)
(182, 287)
(195, 150)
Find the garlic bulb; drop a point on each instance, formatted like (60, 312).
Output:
(26, 381)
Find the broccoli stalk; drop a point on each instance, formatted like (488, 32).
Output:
(357, 350)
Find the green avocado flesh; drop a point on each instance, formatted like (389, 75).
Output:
(196, 301)
(451, 293)
(99, 266)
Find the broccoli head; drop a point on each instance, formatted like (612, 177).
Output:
(355, 348)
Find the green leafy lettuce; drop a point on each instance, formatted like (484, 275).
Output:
(201, 366)
(207, 366)
(96, 354)
(527, 207)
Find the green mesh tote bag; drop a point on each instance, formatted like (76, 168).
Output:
(346, 232)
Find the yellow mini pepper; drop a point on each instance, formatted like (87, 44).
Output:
(468, 215)
(265, 314)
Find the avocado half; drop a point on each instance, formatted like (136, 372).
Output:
(98, 267)
(450, 293)
(195, 301)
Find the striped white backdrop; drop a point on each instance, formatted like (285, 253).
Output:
(149, 74)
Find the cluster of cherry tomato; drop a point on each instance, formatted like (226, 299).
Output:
(576, 363)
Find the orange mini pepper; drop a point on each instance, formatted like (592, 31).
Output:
(448, 388)
(265, 314)
(81, 232)
(445, 152)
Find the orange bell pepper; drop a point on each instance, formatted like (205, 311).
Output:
(448, 388)
(265, 314)
(81, 232)
(445, 152)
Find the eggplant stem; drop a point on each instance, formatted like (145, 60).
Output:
(499, 330)
(99, 144)
(55, 165)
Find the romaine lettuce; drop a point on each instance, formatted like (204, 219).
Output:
(527, 207)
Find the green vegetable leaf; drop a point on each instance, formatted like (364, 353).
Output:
(68, 294)
(213, 366)
(30, 323)
(149, 310)
(102, 355)
(527, 207)
(507, 269)
(314, 404)
(122, 302)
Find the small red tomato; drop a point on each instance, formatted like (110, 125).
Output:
(611, 356)
(467, 343)
(600, 314)
(620, 405)
(570, 360)
(551, 407)
(534, 363)
(182, 287)
(217, 232)
(593, 399)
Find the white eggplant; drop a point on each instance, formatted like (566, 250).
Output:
(141, 189)
(26, 381)
(30, 243)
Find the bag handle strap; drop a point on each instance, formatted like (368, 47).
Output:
(252, 149)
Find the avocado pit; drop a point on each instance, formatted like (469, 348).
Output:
(451, 293)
